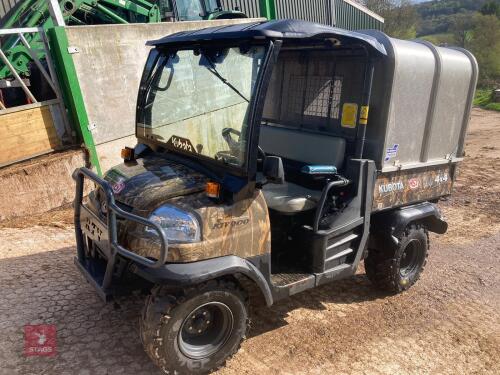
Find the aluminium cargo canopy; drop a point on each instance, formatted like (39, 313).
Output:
(420, 104)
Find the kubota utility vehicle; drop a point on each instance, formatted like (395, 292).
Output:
(272, 157)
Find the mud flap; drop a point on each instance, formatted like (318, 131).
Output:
(395, 221)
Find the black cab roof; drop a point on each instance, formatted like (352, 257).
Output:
(286, 30)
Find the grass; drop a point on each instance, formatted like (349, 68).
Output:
(438, 39)
(484, 99)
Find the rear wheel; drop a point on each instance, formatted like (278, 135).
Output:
(396, 268)
(194, 331)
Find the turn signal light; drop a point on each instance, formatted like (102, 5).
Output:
(212, 189)
(127, 154)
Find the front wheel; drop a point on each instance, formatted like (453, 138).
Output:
(194, 331)
(396, 268)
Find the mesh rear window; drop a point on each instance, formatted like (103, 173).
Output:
(308, 90)
(317, 96)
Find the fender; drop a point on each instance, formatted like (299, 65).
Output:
(395, 221)
(184, 274)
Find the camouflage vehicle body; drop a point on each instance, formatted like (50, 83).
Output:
(240, 229)
(403, 187)
(322, 174)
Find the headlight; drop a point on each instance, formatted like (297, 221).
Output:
(179, 225)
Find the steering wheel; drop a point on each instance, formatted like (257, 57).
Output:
(234, 146)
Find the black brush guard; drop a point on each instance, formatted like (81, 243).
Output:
(104, 235)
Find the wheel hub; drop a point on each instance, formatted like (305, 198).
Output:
(205, 330)
(199, 322)
(411, 259)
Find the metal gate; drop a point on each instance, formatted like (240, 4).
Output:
(33, 120)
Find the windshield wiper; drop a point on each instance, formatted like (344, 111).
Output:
(212, 69)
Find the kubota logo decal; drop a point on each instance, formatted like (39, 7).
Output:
(118, 187)
(390, 187)
(413, 183)
(182, 144)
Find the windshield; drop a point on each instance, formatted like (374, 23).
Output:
(197, 101)
(189, 10)
(211, 5)
(192, 10)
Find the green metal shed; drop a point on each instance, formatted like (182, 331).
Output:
(346, 14)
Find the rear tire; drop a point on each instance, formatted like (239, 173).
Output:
(395, 268)
(194, 330)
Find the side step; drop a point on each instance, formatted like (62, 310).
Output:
(288, 284)
(329, 251)
(339, 248)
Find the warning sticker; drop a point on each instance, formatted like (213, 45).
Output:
(363, 115)
(349, 115)
(391, 152)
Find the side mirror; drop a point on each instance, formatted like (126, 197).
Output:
(273, 170)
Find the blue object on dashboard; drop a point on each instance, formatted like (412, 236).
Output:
(319, 169)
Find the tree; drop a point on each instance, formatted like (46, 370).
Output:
(461, 29)
(379, 6)
(491, 8)
(400, 16)
(485, 45)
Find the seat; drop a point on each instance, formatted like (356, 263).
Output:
(322, 154)
(289, 198)
(302, 146)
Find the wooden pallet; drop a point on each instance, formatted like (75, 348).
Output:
(25, 132)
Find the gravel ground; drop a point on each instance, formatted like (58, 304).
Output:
(449, 323)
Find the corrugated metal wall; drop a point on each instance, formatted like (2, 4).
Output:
(6, 6)
(249, 7)
(345, 12)
(313, 10)
(341, 13)
(349, 16)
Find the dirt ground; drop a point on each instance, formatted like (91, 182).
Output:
(449, 323)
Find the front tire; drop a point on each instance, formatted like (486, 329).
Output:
(195, 330)
(395, 268)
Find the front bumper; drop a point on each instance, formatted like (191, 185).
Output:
(99, 267)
